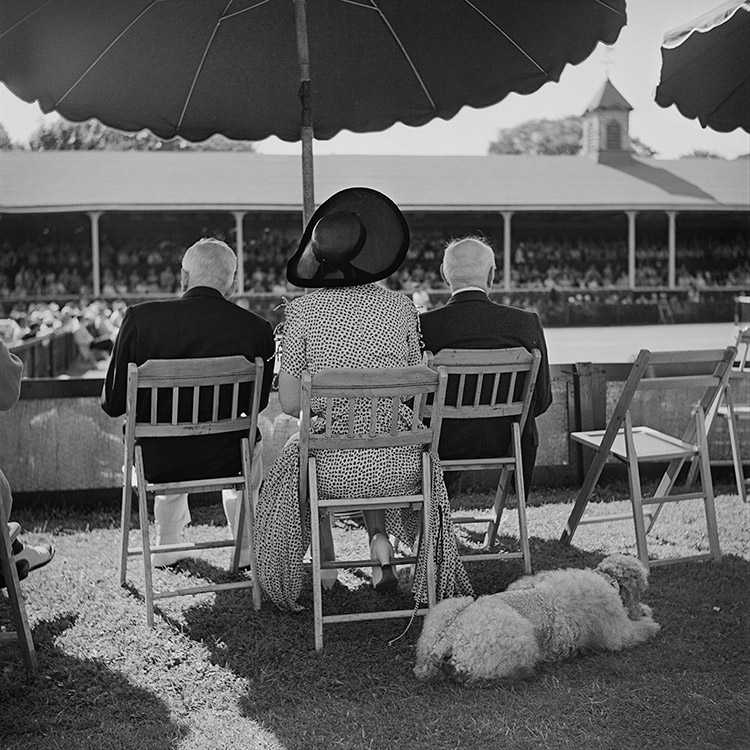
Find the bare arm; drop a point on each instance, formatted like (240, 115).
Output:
(289, 393)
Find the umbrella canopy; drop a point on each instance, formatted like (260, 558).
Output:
(706, 68)
(194, 68)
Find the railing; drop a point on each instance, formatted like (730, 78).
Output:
(557, 307)
(46, 356)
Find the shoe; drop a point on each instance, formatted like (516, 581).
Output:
(22, 568)
(36, 556)
(168, 559)
(384, 579)
(383, 576)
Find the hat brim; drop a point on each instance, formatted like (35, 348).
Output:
(384, 249)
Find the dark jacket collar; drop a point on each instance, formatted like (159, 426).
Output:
(203, 291)
(470, 295)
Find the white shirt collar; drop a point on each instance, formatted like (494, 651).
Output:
(469, 289)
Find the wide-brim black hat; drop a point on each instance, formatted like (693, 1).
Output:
(365, 239)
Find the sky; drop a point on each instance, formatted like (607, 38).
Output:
(633, 64)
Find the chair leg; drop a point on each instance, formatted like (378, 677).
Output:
(735, 445)
(636, 495)
(708, 486)
(315, 555)
(666, 483)
(523, 532)
(127, 494)
(15, 596)
(145, 541)
(584, 494)
(428, 534)
(247, 499)
(498, 506)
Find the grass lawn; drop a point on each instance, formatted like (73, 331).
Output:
(214, 673)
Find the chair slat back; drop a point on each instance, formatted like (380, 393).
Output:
(703, 371)
(361, 407)
(485, 383)
(741, 368)
(184, 396)
(707, 369)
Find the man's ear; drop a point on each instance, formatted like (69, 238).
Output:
(491, 277)
(232, 289)
(184, 279)
(442, 276)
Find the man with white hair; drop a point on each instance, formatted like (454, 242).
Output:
(470, 320)
(201, 323)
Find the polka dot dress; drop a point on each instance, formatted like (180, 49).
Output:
(361, 326)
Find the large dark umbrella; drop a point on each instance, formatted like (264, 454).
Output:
(296, 69)
(706, 68)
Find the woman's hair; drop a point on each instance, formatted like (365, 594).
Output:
(468, 261)
(210, 263)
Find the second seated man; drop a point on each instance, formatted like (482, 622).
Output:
(470, 320)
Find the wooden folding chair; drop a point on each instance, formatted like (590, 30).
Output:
(362, 393)
(22, 633)
(173, 383)
(735, 405)
(482, 384)
(683, 376)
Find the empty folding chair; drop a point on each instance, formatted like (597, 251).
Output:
(661, 380)
(734, 407)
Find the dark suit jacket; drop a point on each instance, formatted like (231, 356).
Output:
(470, 320)
(199, 324)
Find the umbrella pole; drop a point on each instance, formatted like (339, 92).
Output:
(306, 130)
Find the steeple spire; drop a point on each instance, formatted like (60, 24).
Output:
(606, 125)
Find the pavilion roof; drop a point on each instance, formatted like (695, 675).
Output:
(64, 181)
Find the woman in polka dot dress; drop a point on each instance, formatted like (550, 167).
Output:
(346, 323)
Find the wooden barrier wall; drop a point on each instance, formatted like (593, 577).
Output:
(57, 438)
(47, 356)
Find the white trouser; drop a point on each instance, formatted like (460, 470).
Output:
(172, 514)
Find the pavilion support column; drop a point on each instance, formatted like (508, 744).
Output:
(672, 262)
(631, 247)
(507, 217)
(95, 265)
(240, 249)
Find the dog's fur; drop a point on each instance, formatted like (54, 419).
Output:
(548, 616)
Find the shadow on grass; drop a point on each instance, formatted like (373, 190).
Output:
(360, 691)
(76, 704)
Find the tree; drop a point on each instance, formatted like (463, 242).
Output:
(5, 142)
(540, 137)
(63, 135)
(550, 138)
(639, 148)
(700, 153)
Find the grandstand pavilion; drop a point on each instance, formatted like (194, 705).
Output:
(605, 192)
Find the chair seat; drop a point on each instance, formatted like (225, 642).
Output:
(194, 485)
(650, 445)
(681, 373)
(741, 411)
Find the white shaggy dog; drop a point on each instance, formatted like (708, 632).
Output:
(544, 617)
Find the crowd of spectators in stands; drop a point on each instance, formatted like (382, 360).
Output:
(94, 324)
(555, 276)
(51, 269)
